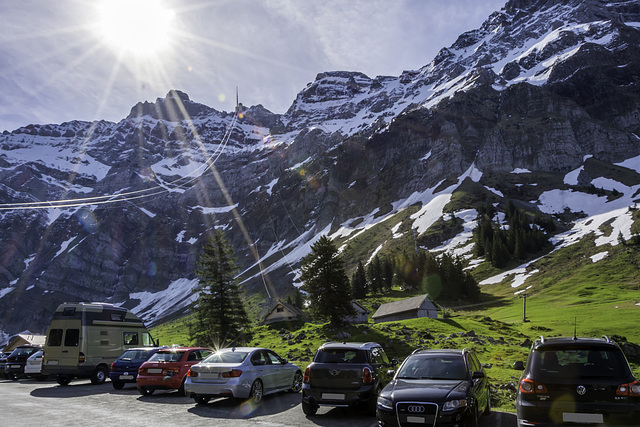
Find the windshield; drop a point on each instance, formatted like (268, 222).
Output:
(172, 356)
(579, 362)
(135, 355)
(434, 367)
(226, 357)
(341, 355)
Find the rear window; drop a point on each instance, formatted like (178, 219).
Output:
(135, 355)
(341, 355)
(583, 362)
(226, 357)
(55, 338)
(173, 356)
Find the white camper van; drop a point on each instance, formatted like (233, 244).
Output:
(83, 340)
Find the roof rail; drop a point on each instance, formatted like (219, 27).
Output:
(542, 339)
(606, 338)
(419, 349)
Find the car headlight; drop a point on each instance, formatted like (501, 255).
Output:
(385, 403)
(454, 404)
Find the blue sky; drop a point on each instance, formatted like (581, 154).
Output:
(57, 63)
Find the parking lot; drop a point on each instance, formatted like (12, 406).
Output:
(32, 403)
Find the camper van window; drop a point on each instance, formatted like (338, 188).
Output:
(55, 337)
(117, 317)
(69, 311)
(72, 338)
(130, 338)
(147, 341)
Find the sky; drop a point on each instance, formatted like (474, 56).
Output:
(95, 59)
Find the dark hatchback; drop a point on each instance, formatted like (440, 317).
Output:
(436, 388)
(346, 375)
(17, 360)
(125, 368)
(577, 380)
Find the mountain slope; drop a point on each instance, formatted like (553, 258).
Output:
(540, 105)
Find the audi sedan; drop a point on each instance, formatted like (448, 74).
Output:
(436, 388)
(242, 372)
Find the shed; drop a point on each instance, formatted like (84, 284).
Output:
(24, 339)
(282, 312)
(409, 308)
(362, 314)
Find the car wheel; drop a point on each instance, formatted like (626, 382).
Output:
(309, 409)
(473, 420)
(373, 402)
(181, 389)
(99, 376)
(118, 385)
(201, 399)
(487, 409)
(256, 392)
(146, 391)
(297, 382)
(63, 380)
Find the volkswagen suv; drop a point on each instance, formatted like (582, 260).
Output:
(346, 374)
(577, 380)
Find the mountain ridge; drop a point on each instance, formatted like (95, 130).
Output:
(540, 87)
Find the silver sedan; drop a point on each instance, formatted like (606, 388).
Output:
(242, 372)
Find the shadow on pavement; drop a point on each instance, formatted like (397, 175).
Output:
(239, 408)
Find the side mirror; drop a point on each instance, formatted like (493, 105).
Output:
(477, 375)
(395, 361)
(391, 372)
(284, 361)
(519, 365)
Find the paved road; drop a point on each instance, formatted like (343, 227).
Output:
(32, 403)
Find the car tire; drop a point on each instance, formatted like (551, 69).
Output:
(99, 376)
(487, 409)
(256, 392)
(118, 385)
(145, 391)
(372, 405)
(297, 382)
(181, 391)
(201, 400)
(473, 421)
(309, 409)
(63, 380)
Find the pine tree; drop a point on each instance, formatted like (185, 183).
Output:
(219, 317)
(326, 283)
(359, 282)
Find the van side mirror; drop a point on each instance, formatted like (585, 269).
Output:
(519, 365)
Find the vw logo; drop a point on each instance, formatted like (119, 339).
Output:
(415, 409)
(581, 390)
(334, 372)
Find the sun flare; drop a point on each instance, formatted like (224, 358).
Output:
(141, 27)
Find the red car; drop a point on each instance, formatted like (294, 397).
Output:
(167, 369)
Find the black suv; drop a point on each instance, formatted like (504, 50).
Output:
(577, 380)
(345, 374)
(436, 387)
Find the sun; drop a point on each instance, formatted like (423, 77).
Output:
(140, 27)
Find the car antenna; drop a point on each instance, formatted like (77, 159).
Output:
(575, 329)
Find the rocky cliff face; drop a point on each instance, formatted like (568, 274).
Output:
(118, 211)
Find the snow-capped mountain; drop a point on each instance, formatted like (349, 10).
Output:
(540, 105)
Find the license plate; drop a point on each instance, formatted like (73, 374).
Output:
(52, 362)
(14, 366)
(155, 370)
(332, 396)
(126, 377)
(570, 417)
(418, 420)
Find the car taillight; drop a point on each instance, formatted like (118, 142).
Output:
(113, 365)
(192, 374)
(81, 357)
(529, 386)
(234, 373)
(366, 376)
(630, 389)
(307, 374)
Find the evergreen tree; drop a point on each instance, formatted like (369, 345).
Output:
(359, 282)
(326, 283)
(374, 274)
(219, 316)
(387, 272)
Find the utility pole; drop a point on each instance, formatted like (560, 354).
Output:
(524, 306)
